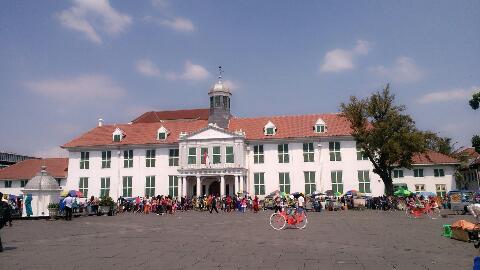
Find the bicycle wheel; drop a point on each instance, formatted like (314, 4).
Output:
(301, 221)
(277, 221)
(434, 213)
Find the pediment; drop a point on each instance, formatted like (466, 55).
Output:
(212, 132)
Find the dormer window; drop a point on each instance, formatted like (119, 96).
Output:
(270, 129)
(118, 135)
(320, 126)
(162, 133)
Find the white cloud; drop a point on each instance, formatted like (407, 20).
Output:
(194, 72)
(84, 87)
(404, 70)
(449, 95)
(179, 24)
(147, 68)
(231, 85)
(53, 152)
(338, 60)
(90, 16)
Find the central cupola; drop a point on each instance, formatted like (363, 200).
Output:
(219, 103)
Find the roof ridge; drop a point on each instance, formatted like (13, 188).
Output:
(289, 115)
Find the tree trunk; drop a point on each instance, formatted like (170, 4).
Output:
(387, 180)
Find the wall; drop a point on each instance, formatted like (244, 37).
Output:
(161, 171)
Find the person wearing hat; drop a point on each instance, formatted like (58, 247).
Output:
(5, 217)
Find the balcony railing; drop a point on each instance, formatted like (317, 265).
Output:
(212, 166)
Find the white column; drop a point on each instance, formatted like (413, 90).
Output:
(241, 184)
(236, 183)
(180, 187)
(222, 185)
(184, 186)
(199, 188)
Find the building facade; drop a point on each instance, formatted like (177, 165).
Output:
(14, 178)
(209, 151)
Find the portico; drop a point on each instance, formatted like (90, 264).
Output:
(212, 183)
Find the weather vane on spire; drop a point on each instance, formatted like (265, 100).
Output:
(220, 71)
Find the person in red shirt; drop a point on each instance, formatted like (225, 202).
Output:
(229, 203)
(255, 204)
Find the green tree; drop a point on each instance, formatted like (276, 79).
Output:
(475, 101)
(386, 134)
(442, 145)
(475, 104)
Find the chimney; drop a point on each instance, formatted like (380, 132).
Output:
(100, 122)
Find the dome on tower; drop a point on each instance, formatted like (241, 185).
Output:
(220, 87)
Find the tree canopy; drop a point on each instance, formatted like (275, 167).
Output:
(385, 132)
(475, 104)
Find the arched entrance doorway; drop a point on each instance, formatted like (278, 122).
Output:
(214, 188)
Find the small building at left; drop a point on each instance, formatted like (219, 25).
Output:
(14, 178)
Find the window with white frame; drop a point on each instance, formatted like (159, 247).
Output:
(361, 153)
(270, 129)
(320, 126)
(118, 135)
(308, 152)
(310, 185)
(364, 182)
(258, 156)
(397, 173)
(217, 156)
(127, 186)
(8, 184)
(150, 158)
(438, 172)
(441, 190)
(419, 187)
(259, 183)
(283, 153)
(162, 133)
(105, 187)
(417, 172)
(334, 148)
(84, 160)
(173, 157)
(337, 181)
(229, 156)
(23, 183)
(150, 186)
(173, 185)
(106, 159)
(284, 182)
(128, 158)
(83, 186)
(192, 155)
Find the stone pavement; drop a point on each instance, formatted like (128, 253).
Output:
(332, 240)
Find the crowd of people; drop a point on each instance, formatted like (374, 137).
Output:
(161, 205)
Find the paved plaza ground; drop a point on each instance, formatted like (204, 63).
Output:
(193, 240)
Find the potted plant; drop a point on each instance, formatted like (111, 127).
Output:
(53, 209)
(106, 203)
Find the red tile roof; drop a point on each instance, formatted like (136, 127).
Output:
(142, 133)
(155, 117)
(296, 126)
(432, 157)
(25, 170)
(292, 126)
(470, 152)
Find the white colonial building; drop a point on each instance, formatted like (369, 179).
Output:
(204, 151)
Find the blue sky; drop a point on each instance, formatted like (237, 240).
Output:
(64, 64)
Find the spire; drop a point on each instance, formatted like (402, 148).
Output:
(220, 72)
